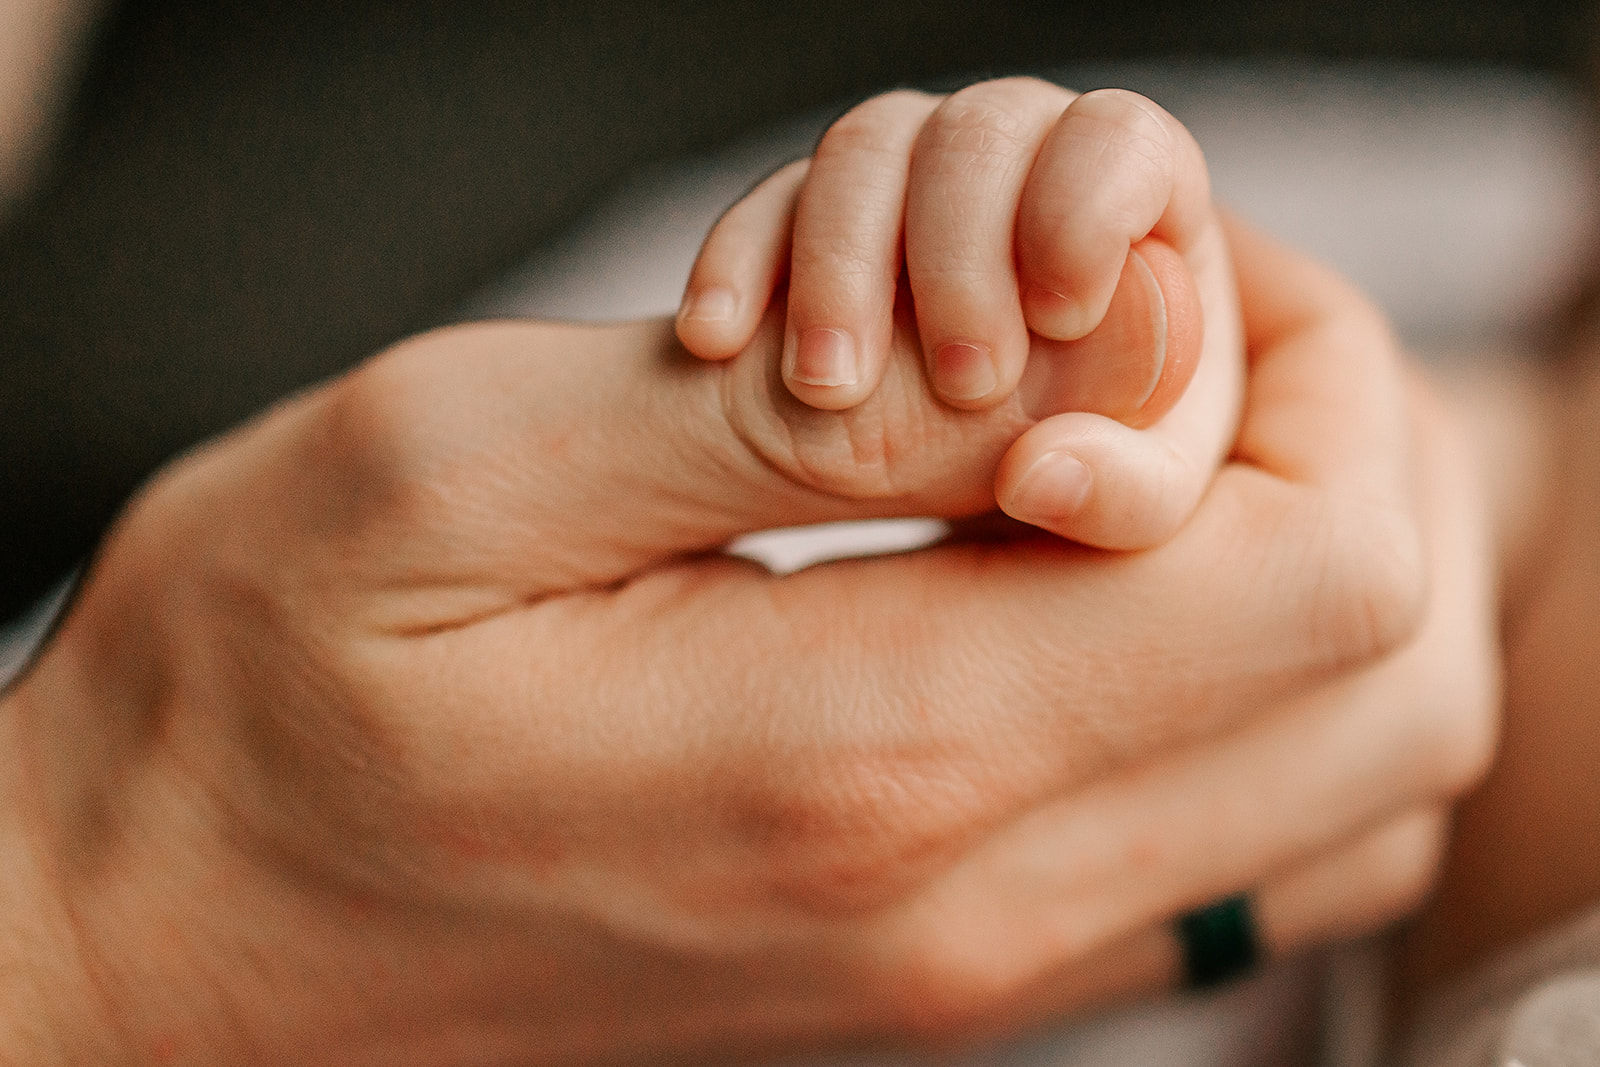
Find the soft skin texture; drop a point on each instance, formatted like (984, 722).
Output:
(1052, 246)
(408, 724)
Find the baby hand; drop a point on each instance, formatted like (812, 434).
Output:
(1057, 251)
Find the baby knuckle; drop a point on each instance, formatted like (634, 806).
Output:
(980, 122)
(873, 127)
(868, 453)
(820, 451)
(1154, 509)
(1131, 126)
(853, 466)
(1018, 92)
(1125, 107)
(844, 260)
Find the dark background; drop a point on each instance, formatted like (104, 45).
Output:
(253, 196)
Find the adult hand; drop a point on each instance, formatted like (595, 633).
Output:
(411, 724)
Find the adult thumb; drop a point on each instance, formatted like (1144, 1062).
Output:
(536, 458)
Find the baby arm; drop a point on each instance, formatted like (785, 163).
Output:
(1058, 254)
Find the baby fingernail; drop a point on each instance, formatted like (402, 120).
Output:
(963, 371)
(1054, 314)
(825, 356)
(709, 305)
(1051, 491)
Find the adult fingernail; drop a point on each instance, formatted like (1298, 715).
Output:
(824, 356)
(1051, 491)
(963, 371)
(1155, 319)
(1116, 367)
(709, 305)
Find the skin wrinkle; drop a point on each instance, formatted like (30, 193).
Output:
(1093, 683)
(735, 414)
(849, 262)
(982, 137)
(814, 451)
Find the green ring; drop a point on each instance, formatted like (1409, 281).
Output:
(1219, 942)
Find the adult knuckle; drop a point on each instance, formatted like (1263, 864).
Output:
(1404, 868)
(1371, 587)
(366, 413)
(861, 835)
(369, 431)
(1457, 725)
(376, 704)
(338, 750)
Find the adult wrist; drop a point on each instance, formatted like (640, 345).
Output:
(74, 765)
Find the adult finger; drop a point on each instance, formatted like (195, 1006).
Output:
(1135, 365)
(967, 172)
(846, 259)
(739, 267)
(959, 983)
